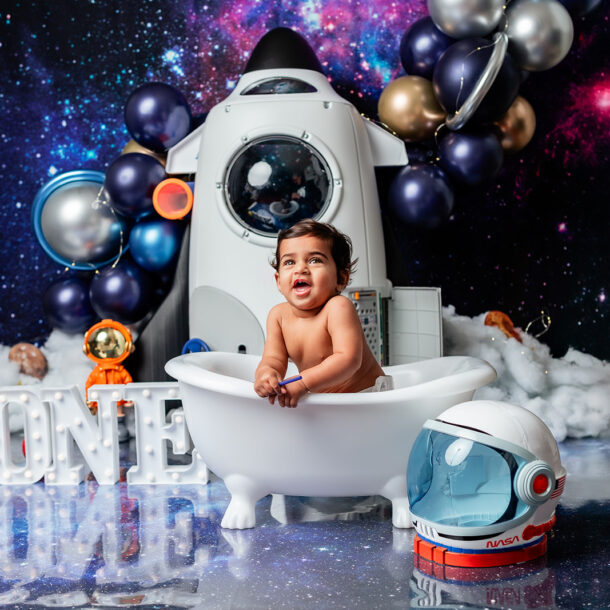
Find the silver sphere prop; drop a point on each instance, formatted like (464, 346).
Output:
(466, 18)
(78, 226)
(540, 33)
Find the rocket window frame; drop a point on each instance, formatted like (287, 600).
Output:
(257, 88)
(327, 163)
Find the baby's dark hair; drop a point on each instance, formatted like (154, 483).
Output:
(340, 244)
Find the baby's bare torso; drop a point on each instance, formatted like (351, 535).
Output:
(308, 343)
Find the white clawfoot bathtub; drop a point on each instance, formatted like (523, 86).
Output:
(330, 445)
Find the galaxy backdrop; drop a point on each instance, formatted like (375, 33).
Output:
(537, 237)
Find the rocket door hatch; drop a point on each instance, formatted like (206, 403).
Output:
(224, 322)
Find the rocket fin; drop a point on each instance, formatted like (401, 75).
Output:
(387, 150)
(182, 158)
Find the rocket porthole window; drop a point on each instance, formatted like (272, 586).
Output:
(283, 85)
(276, 181)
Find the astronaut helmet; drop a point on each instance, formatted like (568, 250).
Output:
(483, 481)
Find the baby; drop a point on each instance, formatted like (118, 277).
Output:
(316, 327)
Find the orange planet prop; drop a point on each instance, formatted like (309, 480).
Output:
(173, 198)
(503, 322)
(30, 359)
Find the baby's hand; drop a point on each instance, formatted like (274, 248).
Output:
(267, 384)
(291, 393)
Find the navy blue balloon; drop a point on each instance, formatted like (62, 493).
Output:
(154, 242)
(67, 306)
(471, 158)
(458, 70)
(421, 195)
(421, 46)
(130, 182)
(157, 116)
(123, 293)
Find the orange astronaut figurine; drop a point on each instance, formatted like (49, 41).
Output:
(108, 343)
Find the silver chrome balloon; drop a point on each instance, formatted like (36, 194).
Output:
(466, 18)
(463, 114)
(540, 33)
(74, 222)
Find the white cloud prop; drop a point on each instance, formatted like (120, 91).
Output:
(68, 366)
(570, 394)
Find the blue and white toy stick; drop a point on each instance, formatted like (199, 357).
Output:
(285, 381)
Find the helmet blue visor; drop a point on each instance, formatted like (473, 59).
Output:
(458, 482)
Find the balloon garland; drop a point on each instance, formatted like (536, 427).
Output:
(463, 68)
(115, 248)
(459, 95)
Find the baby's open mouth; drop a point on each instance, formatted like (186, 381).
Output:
(301, 287)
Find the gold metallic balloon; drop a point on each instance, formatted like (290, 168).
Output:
(517, 125)
(409, 107)
(133, 147)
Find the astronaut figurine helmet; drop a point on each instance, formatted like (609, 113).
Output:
(483, 481)
(108, 343)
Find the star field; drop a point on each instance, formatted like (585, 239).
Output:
(537, 237)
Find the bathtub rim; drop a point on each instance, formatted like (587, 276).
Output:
(187, 369)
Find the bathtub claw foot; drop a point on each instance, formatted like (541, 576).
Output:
(257, 450)
(401, 515)
(395, 490)
(239, 515)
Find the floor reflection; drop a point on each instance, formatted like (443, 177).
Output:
(162, 547)
(530, 585)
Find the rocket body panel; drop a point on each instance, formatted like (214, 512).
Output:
(231, 257)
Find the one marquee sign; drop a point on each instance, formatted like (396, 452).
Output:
(58, 421)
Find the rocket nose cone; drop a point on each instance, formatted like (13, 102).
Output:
(282, 48)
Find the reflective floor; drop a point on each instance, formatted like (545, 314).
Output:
(162, 547)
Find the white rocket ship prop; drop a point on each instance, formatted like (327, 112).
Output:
(281, 147)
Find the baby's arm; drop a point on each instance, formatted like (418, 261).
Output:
(346, 335)
(272, 367)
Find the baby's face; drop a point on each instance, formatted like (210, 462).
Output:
(307, 273)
